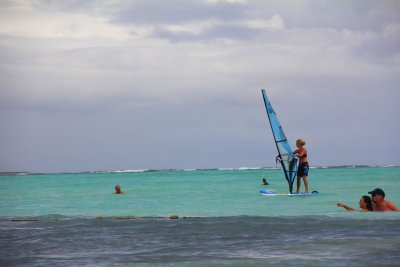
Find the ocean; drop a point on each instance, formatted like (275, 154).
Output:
(75, 219)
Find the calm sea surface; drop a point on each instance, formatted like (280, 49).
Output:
(76, 220)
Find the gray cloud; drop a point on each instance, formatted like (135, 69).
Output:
(190, 97)
(177, 11)
(355, 15)
(216, 32)
(351, 15)
(381, 47)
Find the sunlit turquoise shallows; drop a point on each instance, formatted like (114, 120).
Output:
(190, 192)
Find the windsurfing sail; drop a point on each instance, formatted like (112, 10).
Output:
(287, 158)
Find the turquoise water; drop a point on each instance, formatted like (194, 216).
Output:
(69, 219)
(190, 193)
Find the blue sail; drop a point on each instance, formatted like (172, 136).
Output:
(288, 160)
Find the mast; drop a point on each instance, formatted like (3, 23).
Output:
(288, 160)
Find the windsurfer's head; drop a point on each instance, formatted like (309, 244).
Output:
(300, 142)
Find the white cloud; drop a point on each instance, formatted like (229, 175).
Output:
(219, 29)
(392, 29)
(27, 23)
(227, 1)
(192, 28)
(276, 22)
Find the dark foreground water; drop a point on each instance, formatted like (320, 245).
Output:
(214, 241)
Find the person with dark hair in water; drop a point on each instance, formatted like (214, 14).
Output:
(379, 203)
(264, 181)
(365, 204)
(118, 189)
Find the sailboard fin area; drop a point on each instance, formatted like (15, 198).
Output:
(287, 158)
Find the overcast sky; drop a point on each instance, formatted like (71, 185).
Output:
(147, 84)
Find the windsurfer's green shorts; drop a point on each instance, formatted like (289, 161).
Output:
(302, 170)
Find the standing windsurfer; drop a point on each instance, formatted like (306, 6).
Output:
(302, 170)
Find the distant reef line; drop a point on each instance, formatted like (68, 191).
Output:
(17, 173)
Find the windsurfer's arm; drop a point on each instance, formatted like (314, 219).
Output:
(344, 206)
(299, 152)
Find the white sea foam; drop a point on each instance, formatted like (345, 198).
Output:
(226, 169)
(248, 168)
(242, 168)
(125, 171)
